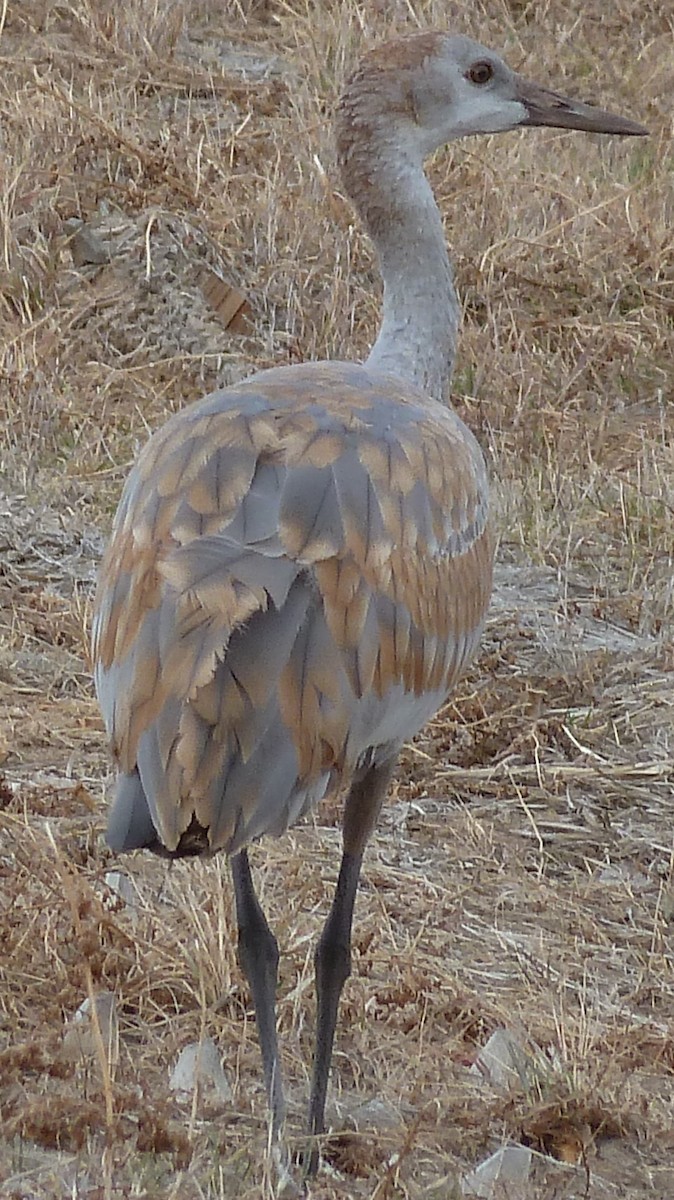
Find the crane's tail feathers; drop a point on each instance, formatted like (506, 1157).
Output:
(130, 825)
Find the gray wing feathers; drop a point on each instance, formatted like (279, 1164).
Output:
(310, 513)
(359, 504)
(227, 752)
(256, 519)
(291, 634)
(212, 564)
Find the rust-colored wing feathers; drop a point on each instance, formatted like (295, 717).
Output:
(299, 570)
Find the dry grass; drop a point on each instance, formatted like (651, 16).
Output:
(522, 874)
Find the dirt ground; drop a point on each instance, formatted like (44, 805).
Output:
(171, 220)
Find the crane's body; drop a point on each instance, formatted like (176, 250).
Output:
(301, 564)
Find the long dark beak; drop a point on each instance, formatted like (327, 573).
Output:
(549, 108)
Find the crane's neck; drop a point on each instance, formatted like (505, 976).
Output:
(418, 332)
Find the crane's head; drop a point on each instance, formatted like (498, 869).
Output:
(435, 87)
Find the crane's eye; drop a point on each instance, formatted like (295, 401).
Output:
(480, 72)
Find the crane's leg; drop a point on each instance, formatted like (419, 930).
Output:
(258, 956)
(333, 953)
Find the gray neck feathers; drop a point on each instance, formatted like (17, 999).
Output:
(418, 332)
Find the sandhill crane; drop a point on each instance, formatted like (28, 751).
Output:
(301, 564)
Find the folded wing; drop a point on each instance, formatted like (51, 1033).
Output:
(294, 583)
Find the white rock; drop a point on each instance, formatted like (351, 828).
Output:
(121, 885)
(375, 1114)
(81, 1039)
(623, 873)
(199, 1066)
(501, 1177)
(503, 1061)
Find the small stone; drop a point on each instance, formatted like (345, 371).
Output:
(121, 885)
(375, 1114)
(501, 1176)
(623, 873)
(81, 1040)
(503, 1061)
(199, 1067)
(86, 247)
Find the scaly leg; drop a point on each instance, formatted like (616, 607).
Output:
(258, 957)
(333, 953)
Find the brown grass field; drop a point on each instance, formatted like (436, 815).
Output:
(523, 871)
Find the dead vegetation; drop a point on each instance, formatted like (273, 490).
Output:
(522, 875)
